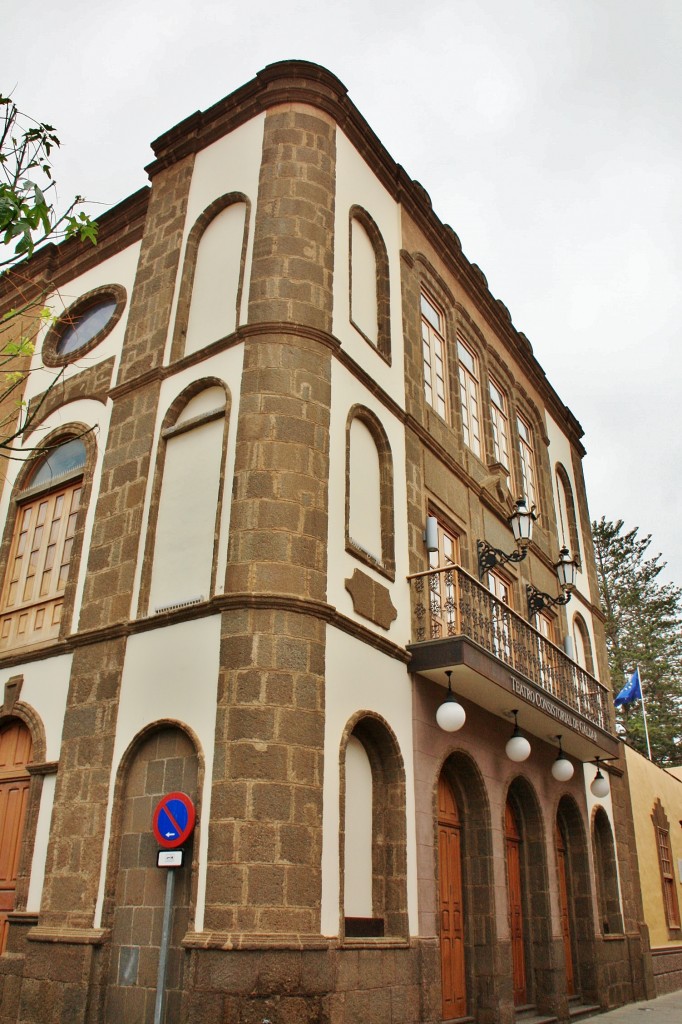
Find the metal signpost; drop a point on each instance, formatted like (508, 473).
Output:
(173, 823)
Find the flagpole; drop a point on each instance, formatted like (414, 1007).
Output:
(646, 728)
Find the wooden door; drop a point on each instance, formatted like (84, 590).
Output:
(453, 977)
(564, 911)
(15, 753)
(515, 893)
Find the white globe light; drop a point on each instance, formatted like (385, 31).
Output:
(562, 769)
(450, 716)
(599, 786)
(518, 748)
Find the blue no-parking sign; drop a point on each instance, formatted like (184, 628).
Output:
(173, 820)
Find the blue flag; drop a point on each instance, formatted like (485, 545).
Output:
(631, 691)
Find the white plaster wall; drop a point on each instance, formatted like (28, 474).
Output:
(560, 451)
(356, 185)
(232, 164)
(360, 678)
(346, 392)
(118, 269)
(213, 309)
(170, 674)
(358, 832)
(364, 306)
(225, 366)
(364, 520)
(45, 689)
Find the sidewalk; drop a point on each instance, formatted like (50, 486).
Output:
(663, 1010)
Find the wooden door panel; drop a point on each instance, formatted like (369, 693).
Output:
(453, 974)
(15, 752)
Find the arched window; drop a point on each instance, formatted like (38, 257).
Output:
(582, 645)
(183, 539)
(607, 874)
(15, 752)
(568, 525)
(374, 854)
(434, 355)
(369, 492)
(667, 866)
(212, 276)
(369, 282)
(527, 461)
(42, 547)
(470, 397)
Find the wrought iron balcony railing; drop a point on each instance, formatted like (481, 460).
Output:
(448, 602)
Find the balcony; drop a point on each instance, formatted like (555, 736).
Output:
(499, 661)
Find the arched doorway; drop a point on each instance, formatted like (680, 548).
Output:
(513, 841)
(16, 748)
(564, 908)
(451, 909)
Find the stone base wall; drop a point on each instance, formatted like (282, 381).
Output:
(667, 964)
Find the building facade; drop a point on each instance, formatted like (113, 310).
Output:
(656, 795)
(269, 511)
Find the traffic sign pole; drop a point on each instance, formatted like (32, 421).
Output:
(172, 824)
(165, 943)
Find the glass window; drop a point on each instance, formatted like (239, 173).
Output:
(78, 330)
(444, 585)
(500, 424)
(433, 348)
(469, 397)
(666, 864)
(527, 459)
(41, 551)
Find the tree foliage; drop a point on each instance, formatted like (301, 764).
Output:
(643, 627)
(28, 218)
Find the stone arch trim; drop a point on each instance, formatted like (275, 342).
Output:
(169, 421)
(386, 488)
(523, 798)
(572, 823)
(49, 353)
(389, 823)
(606, 873)
(66, 432)
(383, 344)
(190, 263)
(468, 785)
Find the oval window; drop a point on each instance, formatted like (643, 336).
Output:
(78, 330)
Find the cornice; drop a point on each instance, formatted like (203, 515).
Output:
(55, 264)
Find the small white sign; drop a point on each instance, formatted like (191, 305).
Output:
(169, 858)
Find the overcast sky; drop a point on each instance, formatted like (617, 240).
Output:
(547, 133)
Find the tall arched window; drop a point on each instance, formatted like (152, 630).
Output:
(369, 492)
(374, 833)
(607, 874)
(212, 276)
(666, 864)
(582, 645)
(42, 547)
(369, 282)
(184, 534)
(568, 525)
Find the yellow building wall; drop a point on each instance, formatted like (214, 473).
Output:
(648, 783)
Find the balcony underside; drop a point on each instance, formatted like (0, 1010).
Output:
(485, 680)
